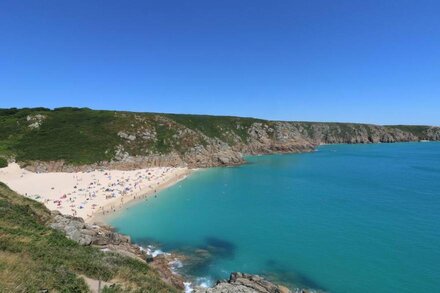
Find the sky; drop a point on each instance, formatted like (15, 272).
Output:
(321, 60)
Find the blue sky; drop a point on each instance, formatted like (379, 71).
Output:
(360, 61)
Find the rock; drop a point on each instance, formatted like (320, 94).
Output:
(253, 281)
(85, 234)
(284, 289)
(124, 135)
(224, 160)
(35, 120)
(244, 283)
(161, 264)
(85, 239)
(247, 283)
(88, 231)
(74, 235)
(149, 259)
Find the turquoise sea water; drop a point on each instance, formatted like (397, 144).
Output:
(347, 218)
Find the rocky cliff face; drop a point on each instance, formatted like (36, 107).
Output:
(433, 133)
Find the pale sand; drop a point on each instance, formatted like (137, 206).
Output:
(90, 195)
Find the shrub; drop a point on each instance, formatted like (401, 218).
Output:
(3, 163)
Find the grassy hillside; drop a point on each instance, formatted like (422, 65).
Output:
(34, 257)
(83, 136)
(215, 126)
(76, 135)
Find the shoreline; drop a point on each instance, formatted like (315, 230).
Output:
(92, 195)
(100, 218)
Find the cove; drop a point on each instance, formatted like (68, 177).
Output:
(346, 218)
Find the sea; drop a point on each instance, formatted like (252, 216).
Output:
(345, 218)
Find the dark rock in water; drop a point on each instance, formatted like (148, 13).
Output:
(220, 243)
(244, 283)
(220, 247)
(198, 259)
(195, 260)
(277, 273)
(201, 258)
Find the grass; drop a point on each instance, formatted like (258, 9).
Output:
(216, 126)
(34, 257)
(417, 130)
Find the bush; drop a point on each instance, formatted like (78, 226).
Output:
(3, 163)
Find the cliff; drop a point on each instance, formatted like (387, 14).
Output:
(71, 139)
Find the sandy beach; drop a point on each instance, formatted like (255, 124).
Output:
(90, 195)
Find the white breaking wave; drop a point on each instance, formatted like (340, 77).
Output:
(175, 265)
(151, 250)
(204, 282)
(188, 288)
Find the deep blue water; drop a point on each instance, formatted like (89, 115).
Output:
(347, 218)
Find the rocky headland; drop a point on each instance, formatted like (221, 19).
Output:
(72, 139)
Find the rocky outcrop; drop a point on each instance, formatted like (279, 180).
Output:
(35, 121)
(218, 154)
(277, 138)
(85, 234)
(107, 240)
(433, 134)
(162, 264)
(245, 283)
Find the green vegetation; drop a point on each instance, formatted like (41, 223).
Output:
(82, 137)
(75, 135)
(3, 162)
(215, 126)
(165, 134)
(34, 257)
(85, 136)
(417, 130)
